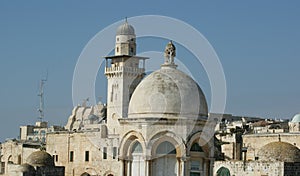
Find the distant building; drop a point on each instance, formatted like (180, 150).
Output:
(37, 132)
(294, 125)
(38, 163)
(268, 147)
(15, 152)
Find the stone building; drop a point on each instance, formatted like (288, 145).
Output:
(294, 125)
(273, 159)
(37, 132)
(152, 126)
(15, 152)
(38, 163)
(269, 152)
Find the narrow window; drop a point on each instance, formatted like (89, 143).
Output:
(117, 49)
(104, 153)
(56, 158)
(87, 155)
(71, 156)
(2, 171)
(19, 159)
(114, 152)
(112, 94)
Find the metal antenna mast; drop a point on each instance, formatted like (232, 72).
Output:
(41, 95)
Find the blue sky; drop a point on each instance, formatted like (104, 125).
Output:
(256, 41)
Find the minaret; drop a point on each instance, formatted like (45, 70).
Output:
(124, 71)
(125, 40)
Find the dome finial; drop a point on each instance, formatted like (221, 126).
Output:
(170, 53)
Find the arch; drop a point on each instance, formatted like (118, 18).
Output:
(109, 173)
(85, 174)
(168, 136)
(208, 148)
(223, 171)
(199, 154)
(9, 159)
(136, 147)
(166, 148)
(196, 148)
(128, 141)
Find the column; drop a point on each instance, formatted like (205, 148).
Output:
(147, 167)
(205, 166)
(129, 167)
(122, 167)
(211, 164)
(182, 166)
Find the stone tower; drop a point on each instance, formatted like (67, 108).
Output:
(124, 71)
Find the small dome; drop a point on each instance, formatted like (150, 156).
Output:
(40, 158)
(279, 151)
(296, 118)
(93, 117)
(167, 92)
(125, 29)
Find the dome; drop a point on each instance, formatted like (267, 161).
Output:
(279, 151)
(40, 158)
(296, 118)
(125, 29)
(167, 92)
(93, 117)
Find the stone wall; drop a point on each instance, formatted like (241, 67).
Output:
(50, 171)
(254, 142)
(15, 152)
(60, 145)
(251, 168)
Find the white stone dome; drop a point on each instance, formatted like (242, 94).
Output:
(125, 29)
(296, 118)
(166, 93)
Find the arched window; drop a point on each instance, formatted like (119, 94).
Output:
(223, 171)
(166, 148)
(166, 159)
(196, 161)
(85, 174)
(137, 148)
(196, 148)
(138, 163)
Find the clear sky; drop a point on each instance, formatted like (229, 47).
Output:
(258, 43)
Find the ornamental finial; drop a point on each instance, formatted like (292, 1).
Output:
(170, 53)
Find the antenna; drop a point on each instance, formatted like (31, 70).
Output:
(41, 95)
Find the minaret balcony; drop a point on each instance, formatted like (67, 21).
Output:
(122, 69)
